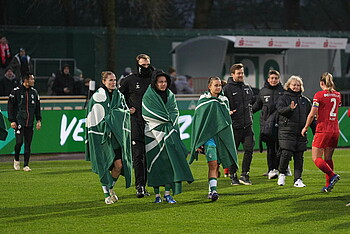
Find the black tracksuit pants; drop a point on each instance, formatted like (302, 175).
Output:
(298, 157)
(23, 134)
(246, 137)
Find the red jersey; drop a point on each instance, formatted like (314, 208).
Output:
(327, 104)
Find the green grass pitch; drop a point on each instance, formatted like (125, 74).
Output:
(65, 196)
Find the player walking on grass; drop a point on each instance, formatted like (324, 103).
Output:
(23, 106)
(325, 110)
(108, 141)
(212, 133)
(165, 153)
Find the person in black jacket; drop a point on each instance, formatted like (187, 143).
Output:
(134, 87)
(8, 82)
(23, 106)
(266, 102)
(64, 82)
(240, 96)
(293, 109)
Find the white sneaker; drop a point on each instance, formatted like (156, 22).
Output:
(281, 179)
(113, 195)
(289, 172)
(299, 183)
(273, 174)
(109, 200)
(26, 168)
(16, 165)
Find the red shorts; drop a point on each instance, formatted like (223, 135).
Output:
(325, 140)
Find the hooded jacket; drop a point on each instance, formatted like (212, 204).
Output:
(133, 87)
(291, 122)
(63, 81)
(240, 96)
(266, 102)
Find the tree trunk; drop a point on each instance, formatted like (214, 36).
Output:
(291, 14)
(202, 13)
(108, 13)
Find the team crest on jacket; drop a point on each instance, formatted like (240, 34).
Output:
(137, 85)
(266, 98)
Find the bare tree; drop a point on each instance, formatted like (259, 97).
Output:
(202, 13)
(291, 14)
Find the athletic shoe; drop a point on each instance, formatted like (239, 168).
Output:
(169, 199)
(299, 183)
(289, 172)
(281, 179)
(109, 200)
(140, 191)
(214, 196)
(158, 200)
(26, 168)
(332, 182)
(348, 204)
(273, 174)
(244, 179)
(147, 193)
(234, 180)
(113, 195)
(16, 165)
(209, 195)
(324, 190)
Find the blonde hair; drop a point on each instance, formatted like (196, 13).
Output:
(105, 74)
(327, 79)
(294, 78)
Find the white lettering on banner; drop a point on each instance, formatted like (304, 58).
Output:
(64, 130)
(184, 122)
(78, 129)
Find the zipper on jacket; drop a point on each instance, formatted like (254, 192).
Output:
(27, 107)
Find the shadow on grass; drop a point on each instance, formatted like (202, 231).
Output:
(324, 207)
(65, 172)
(90, 209)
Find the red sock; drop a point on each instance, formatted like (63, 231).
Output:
(226, 171)
(330, 164)
(323, 166)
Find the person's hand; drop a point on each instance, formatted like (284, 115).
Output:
(66, 90)
(293, 105)
(132, 110)
(303, 131)
(232, 111)
(38, 125)
(13, 125)
(200, 150)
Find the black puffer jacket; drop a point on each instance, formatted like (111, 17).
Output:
(266, 102)
(291, 122)
(240, 96)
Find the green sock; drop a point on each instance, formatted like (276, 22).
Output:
(156, 190)
(114, 181)
(213, 182)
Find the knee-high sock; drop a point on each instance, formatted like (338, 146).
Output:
(330, 164)
(213, 182)
(323, 166)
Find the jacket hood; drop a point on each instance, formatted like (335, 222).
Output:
(157, 73)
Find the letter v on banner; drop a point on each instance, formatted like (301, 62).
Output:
(65, 131)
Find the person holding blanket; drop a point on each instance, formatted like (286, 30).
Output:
(108, 140)
(212, 131)
(165, 153)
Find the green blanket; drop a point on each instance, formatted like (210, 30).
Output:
(212, 120)
(3, 131)
(108, 128)
(165, 152)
